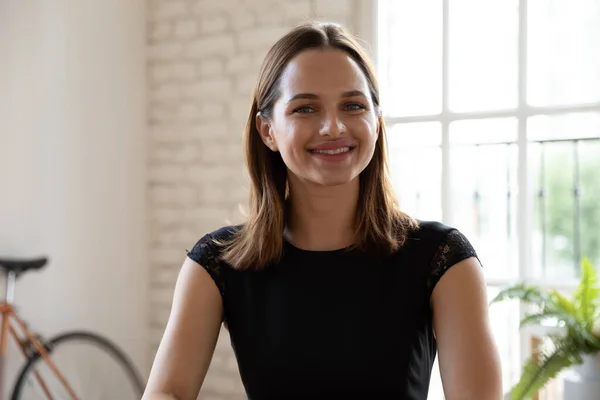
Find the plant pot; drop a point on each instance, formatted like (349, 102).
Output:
(583, 383)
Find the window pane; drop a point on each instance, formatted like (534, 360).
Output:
(484, 190)
(590, 201)
(554, 209)
(563, 52)
(483, 54)
(504, 320)
(566, 195)
(410, 56)
(418, 188)
(565, 126)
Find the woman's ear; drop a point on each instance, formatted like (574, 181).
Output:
(266, 133)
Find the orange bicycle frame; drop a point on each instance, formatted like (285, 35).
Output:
(8, 316)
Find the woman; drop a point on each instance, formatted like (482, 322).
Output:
(328, 290)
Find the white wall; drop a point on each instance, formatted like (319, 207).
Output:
(73, 163)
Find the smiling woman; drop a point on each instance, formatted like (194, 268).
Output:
(328, 289)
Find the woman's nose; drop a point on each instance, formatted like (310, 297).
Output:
(332, 126)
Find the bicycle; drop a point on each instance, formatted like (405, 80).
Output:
(46, 373)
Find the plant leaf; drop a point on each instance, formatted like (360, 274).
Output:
(586, 294)
(537, 374)
(552, 304)
(522, 292)
(535, 318)
(562, 303)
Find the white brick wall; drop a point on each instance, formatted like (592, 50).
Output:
(203, 59)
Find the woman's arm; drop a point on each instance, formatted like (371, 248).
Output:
(190, 337)
(468, 358)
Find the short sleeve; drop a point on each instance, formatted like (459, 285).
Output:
(454, 248)
(206, 253)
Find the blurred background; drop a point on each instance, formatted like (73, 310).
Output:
(120, 145)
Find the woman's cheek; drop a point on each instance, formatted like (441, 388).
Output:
(299, 134)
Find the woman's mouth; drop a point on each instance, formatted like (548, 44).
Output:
(335, 151)
(336, 155)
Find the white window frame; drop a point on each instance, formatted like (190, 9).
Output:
(522, 113)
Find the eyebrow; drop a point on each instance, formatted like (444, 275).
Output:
(351, 93)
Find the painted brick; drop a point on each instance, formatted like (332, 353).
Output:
(217, 88)
(206, 131)
(239, 63)
(164, 294)
(211, 67)
(160, 30)
(166, 173)
(244, 85)
(165, 133)
(166, 92)
(223, 45)
(332, 8)
(165, 10)
(203, 7)
(271, 16)
(172, 195)
(297, 9)
(166, 216)
(161, 113)
(165, 276)
(242, 19)
(186, 28)
(165, 51)
(183, 71)
(213, 110)
(260, 38)
(214, 23)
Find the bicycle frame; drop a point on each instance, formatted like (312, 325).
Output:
(9, 317)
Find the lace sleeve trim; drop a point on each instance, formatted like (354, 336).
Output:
(206, 254)
(453, 249)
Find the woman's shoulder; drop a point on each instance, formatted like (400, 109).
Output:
(444, 246)
(212, 242)
(207, 252)
(431, 230)
(438, 237)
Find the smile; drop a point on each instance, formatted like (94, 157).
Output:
(336, 151)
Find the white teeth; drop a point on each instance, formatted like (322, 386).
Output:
(336, 151)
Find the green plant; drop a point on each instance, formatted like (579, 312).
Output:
(580, 316)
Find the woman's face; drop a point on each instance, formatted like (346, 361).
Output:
(324, 123)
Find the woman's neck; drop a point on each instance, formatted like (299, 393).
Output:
(321, 217)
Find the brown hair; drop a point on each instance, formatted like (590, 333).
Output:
(380, 229)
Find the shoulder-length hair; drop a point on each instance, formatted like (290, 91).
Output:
(380, 227)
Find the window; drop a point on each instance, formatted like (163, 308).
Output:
(493, 116)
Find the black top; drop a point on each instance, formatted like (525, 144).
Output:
(336, 324)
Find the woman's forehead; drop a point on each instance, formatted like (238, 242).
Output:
(322, 70)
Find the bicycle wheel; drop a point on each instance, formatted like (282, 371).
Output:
(93, 366)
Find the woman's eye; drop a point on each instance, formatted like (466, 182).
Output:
(354, 107)
(304, 110)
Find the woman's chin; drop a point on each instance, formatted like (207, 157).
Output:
(318, 178)
(332, 181)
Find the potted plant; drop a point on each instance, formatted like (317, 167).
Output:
(579, 347)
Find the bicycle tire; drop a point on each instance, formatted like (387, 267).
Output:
(103, 343)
